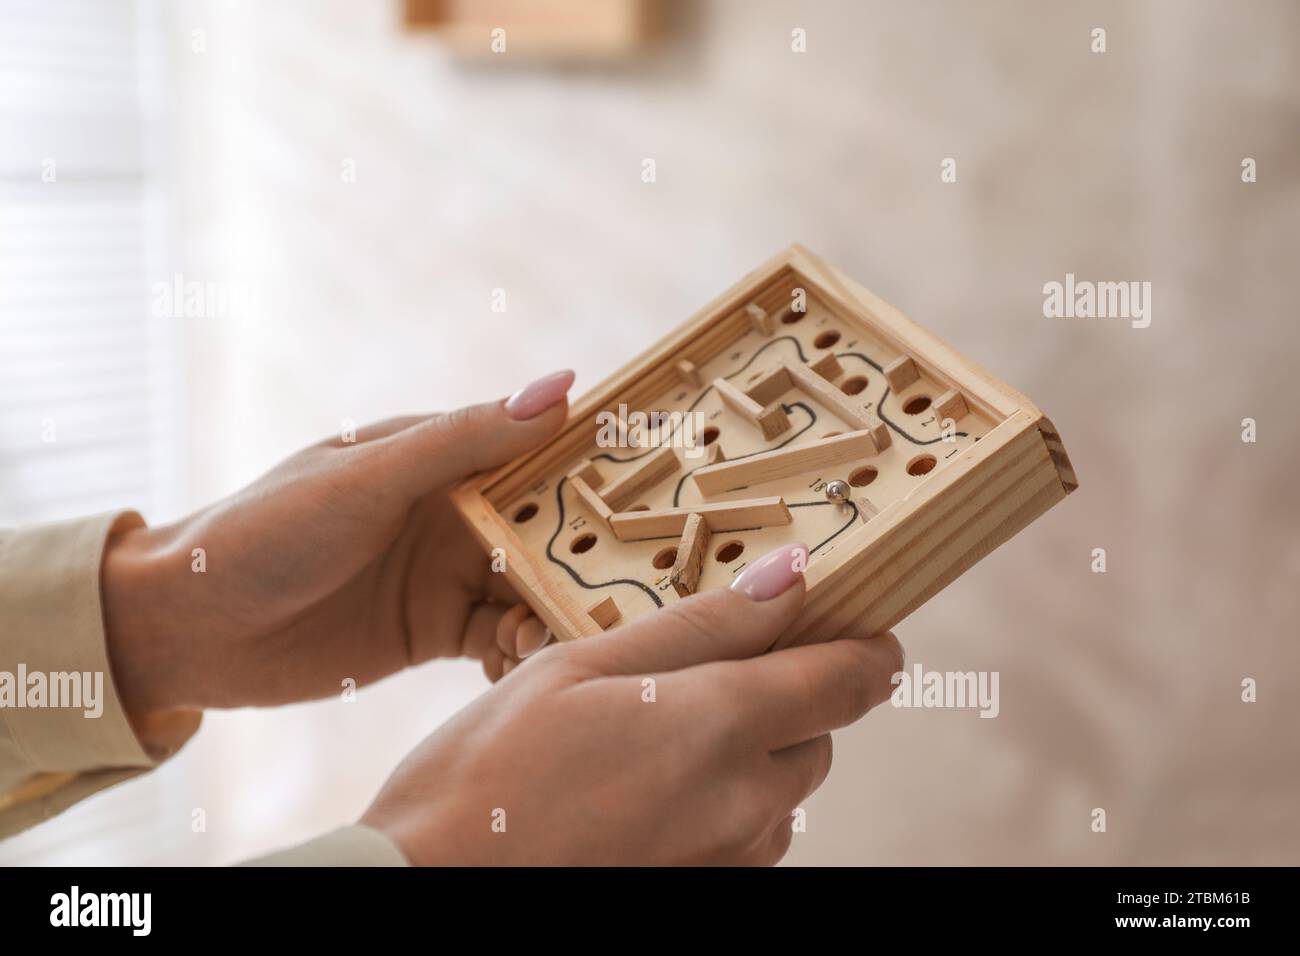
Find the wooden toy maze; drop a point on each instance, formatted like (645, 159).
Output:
(797, 406)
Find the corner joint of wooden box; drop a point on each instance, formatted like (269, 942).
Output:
(1056, 451)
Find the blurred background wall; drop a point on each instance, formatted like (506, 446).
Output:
(370, 191)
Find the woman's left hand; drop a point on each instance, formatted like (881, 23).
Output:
(348, 560)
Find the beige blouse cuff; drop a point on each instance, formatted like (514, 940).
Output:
(52, 633)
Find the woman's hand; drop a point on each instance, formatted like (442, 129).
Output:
(666, 741)
(346, 561)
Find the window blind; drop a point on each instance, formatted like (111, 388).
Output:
(83, 369)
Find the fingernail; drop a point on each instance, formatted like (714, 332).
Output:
(532, 637)
(773, 573)
(531, 400)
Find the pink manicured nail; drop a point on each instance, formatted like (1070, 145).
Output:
(531, 400)
(773, 573)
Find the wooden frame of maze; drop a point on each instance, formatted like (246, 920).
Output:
(931, 491)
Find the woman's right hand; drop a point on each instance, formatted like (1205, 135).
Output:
(671, 740)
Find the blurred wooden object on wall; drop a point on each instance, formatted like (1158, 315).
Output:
(535, 29)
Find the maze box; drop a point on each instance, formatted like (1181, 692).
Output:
(802, 378)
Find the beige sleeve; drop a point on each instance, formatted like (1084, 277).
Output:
(51, 624)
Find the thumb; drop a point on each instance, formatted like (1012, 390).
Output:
(741, 621)
(444, 448)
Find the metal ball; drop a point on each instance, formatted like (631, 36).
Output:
(837, 491)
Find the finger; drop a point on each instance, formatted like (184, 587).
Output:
(380, 429)
(478, 637)
(496, 585)
(530, 637)
(493, 665)
(799, 693)
(778, 844)
(797, 773)
(508, 627)
(388, 426)
(799, 770)
(723, 624)
(442, 449)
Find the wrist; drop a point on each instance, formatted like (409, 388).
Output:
(420, 831)
(139, 652)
